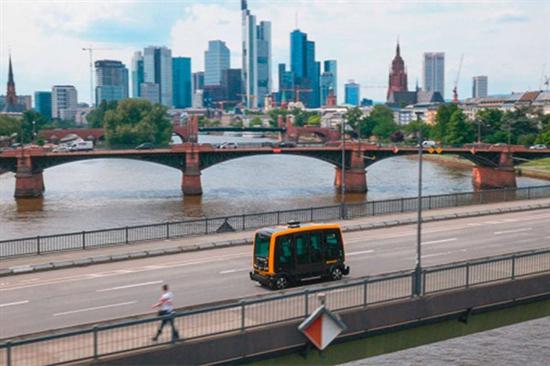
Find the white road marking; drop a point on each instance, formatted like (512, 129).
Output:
(361, 252)
(130, 286)
(493, 222)
(513, 231)
(439, 241)
(474, 224)
(95, 308)
(444, 253)
(234, 270)
(14, 303)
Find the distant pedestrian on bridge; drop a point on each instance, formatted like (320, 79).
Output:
(166, 311)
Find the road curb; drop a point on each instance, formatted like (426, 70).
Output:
(81, 262)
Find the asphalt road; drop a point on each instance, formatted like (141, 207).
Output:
(56, 299)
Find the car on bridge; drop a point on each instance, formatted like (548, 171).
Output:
(286, 255)
(145, 146)
(228, 145)
(538, 147)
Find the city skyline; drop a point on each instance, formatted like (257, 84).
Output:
(189, 26)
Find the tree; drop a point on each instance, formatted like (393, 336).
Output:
(9, 125)
(28, 127)
(518, 125)
(96, 117)
(458, 131)
(490, 121)
(353, 118)
(412, 128)
(543, 138)
(256, 122)
(442, 120)
(135, 121)
(379, 122)
(314, 120)
(274, 115)
(397, 136)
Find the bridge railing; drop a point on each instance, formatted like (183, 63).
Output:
(115, 337)
(177, 229)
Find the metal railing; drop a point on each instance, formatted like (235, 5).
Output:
(177, 229)
(112, 338)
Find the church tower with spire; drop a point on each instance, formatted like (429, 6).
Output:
(12, 105)
(398, 74)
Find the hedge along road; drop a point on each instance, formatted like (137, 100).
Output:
(47, 300)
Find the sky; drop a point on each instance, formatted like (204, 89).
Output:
(509, 41)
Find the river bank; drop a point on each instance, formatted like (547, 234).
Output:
(539, 169)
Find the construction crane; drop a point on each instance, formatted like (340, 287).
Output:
(297, 92)
(455, 88)
(90, 52)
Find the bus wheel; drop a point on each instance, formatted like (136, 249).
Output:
(335, 274)
(281, 282)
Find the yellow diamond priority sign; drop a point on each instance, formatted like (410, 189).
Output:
(439, 150)
(431, 150)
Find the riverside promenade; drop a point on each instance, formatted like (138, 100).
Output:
(143, 249)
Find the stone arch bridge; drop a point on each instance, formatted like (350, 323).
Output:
(494, 166)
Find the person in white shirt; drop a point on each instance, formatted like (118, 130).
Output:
(166, 308)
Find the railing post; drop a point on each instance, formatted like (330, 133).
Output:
(206, 226)
(126, 235)
(243, 304)
(167, 230)
(513, 266)
(456, 200)
(244, 222)
(423, 283)
(505, 195)
(467, 274)
(8, 353)
(430, 202)
(38, 244)
(373, 208)
(528, 193)
(402, 205)
(83, 240)
(278, 217)
(306, 303)
(96, 353)
(365, 286)
(311, 214)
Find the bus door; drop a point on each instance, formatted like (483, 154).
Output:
(333, 247)
(284, 255)
(309, 257)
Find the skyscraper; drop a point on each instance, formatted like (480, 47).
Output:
(352, 93)
(329, 81)
(305, 69)
(157, 69)
(434, 72)
(181, 70)
(111, 81)
(256, 54)
(64, 102)
(263, 45)
(398, 74)
(231, 84)
(198, 81)
(216, 59)
(43, 103)
(480, 86)
(137, 73)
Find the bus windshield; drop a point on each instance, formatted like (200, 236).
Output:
(261, 245)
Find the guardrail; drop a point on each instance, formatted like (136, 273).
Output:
(169, 230)
(107, 339)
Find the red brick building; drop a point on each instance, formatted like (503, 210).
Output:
(398, 75)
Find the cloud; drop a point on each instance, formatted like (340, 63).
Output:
(46, 37)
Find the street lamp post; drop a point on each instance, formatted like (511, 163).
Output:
(33, 131)
(342, 171)
(418, 267)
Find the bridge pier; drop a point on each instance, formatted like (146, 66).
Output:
(355, 178)
(191, 179)
(491, 178)
(29, 182)
(503, 176)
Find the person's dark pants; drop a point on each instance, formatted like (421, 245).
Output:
(166, 320)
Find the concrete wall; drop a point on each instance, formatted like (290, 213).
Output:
(269, 342)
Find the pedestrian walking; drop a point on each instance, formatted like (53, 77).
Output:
(166, 310)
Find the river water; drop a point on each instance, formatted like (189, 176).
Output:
(522, 344)
(103, 193)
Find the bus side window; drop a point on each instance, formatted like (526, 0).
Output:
(285, 259)
(333, 247)
(315, 247)
(300, 244)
